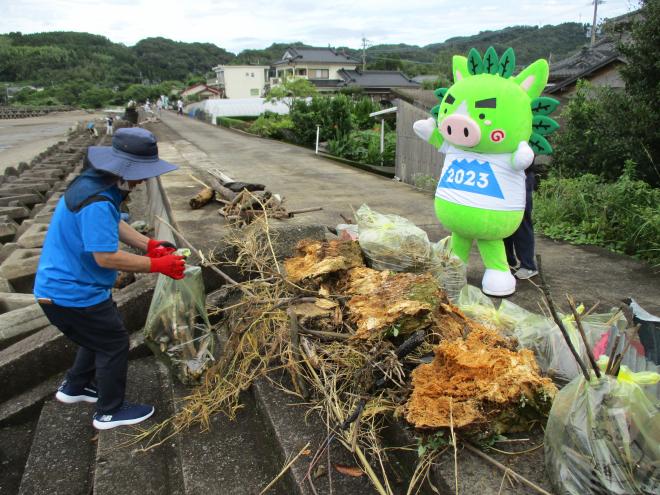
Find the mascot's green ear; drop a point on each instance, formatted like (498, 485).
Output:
(460, 68)
(534, 78)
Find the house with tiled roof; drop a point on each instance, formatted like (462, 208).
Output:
(599, 64)
(331, 70)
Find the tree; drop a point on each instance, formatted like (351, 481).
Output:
(290, 90)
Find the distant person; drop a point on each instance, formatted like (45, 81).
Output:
(179, 107)
(92, 129)
(520, 245)
(159, 107)
(108, 125)
(147, 107)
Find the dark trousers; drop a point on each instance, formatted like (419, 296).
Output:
(103, 353)
(520, 245)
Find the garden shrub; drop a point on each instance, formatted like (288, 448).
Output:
(273, 126)
(623, 216)
(364, 147)
(232, 123)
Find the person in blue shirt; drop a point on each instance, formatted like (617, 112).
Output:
(78, 267)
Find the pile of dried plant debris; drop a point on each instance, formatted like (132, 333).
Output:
(352, 339)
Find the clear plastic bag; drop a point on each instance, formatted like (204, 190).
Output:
(448, 269)
(542, 335)
(391, 242)
(603, 437)
(178, 329)
(480, 308)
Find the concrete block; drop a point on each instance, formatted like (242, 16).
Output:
(15, 212)
(6, 250)
(156, 471)
(34, 236)
(9, 301)
(5, 286)
(44, 216)
(24, 226)
(62, 451)
(24, 199)
(36, 180)
(54, 199)
(19, 323)
(9, 190)
(20, 268)
(8, 228)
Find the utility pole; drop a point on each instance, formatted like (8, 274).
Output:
(593, 24)
(364, 53)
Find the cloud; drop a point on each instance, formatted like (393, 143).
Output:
(237, 25)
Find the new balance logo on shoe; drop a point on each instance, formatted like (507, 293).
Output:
(71, 395)
(128, 414)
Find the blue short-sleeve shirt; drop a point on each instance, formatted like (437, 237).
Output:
(68, 273)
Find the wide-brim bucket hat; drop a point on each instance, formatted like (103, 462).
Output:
(132, 156)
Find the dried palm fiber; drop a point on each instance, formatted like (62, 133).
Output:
(317, 258)
(405, 301)
(486, 382)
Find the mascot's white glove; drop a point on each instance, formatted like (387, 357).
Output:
(424, 128)
(523, 157)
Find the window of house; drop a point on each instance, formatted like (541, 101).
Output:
(280, 73)
(254, 92)
(319, 73)
(301, 72)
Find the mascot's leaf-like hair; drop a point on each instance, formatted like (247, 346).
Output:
(542, 125)
(540, 145)
(491, 63)
(507, 63)
(475, 65)
(543, 105)
(440, 93)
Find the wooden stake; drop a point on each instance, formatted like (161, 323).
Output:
(555, 316)
(578, 322)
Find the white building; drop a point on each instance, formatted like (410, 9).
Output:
(242, 81)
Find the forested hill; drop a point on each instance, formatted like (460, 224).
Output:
(529, 43)
(47, 58)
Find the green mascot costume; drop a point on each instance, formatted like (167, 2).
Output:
(489, 125)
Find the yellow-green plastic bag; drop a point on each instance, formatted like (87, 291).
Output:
(603, 437)
(178, 329)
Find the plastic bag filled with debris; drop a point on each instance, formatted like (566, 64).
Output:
(603, 436)
(178, 329)
(542, 335)
(448, 269)
(481, 308)
(391, 242)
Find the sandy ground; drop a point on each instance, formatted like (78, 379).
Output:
(23, 139)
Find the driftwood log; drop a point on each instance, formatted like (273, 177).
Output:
(202, 198)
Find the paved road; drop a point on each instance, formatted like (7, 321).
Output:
(590, 274)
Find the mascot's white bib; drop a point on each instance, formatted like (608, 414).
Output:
(481, 180)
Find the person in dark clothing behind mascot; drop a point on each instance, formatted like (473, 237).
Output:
(78, 268)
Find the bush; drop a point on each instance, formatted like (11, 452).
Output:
(273, 126)
(623, 216)
(333, 114)
(601, 129)
(232, 123)
(364, 147)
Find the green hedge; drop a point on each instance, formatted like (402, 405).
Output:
(623, 216)
(232, 123)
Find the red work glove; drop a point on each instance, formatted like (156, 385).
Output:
(156, 249)
(170, 265)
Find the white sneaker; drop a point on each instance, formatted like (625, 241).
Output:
(497, 283)
(525, 273)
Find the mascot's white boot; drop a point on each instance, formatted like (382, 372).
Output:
(497, 283)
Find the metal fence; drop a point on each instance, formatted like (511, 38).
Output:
(417, 163)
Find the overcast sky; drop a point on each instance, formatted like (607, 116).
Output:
(240, 24)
